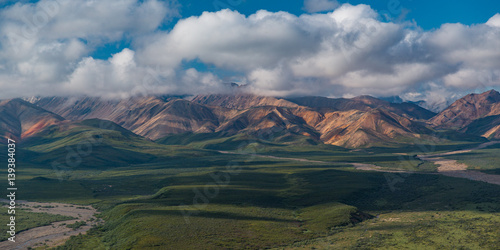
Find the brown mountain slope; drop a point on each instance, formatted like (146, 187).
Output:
(268, 119)
(488, 127)
(152, 117)
(176, 116)
(356, 128)
(467, 109)
(364, 103)
(75, 108)
(356, 122)
(20, 119)
(493, 133)
(242, 101)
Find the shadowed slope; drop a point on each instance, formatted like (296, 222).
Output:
(20, 119)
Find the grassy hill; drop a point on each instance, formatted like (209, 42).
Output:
(94, 144)
(180, 192)
(276, 203)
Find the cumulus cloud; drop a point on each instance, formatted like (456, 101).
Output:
(230, 40)
(84, 19)
(348, 51)
(120, 77)
(494, 20)
(44, 43)
(313, 6)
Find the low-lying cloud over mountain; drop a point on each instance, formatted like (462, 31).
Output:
(47, 48)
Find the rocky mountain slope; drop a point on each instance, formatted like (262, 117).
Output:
(357, 122)
(365, 103)
(477, 114)
(488, 127)
(242, 101)
(467, 109)
(20, 119)
(151, 117)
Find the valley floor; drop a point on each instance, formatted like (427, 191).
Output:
(56, 233)
(276, 197)
(446, 167)
(453, 168)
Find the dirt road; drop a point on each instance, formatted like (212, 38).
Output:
(56, 233)
(454, 169)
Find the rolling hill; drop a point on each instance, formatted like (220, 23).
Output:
(89, 143)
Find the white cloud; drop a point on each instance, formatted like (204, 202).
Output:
(313, 6)
(230, 40)
(435, 97)
(43, 43)
(348, 51)
(494, 20)
(120, 76)
(84, 19)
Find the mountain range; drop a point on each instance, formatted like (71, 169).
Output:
(362, 121)
(475, 114)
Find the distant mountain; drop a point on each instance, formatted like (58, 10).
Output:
(466, 110)
(20, 119)
(242, 101)
(364, 103)
(435, 107)
(268, 119)
(357, 122)
(392, 99)
(151, 117)
(376, 127)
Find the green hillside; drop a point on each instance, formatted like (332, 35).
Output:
(153, 195)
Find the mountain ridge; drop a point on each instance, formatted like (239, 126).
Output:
(327, 120)
(19, 119)
(361, 121)
(467, 109)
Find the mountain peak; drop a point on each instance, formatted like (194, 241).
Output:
(468, 108)
(489, 93)
(492, 94)
(492, 91)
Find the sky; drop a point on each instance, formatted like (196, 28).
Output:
(435, 51)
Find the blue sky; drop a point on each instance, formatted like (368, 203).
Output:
(428, 14)
(420, 50)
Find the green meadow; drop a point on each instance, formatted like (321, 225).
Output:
(191, 196)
